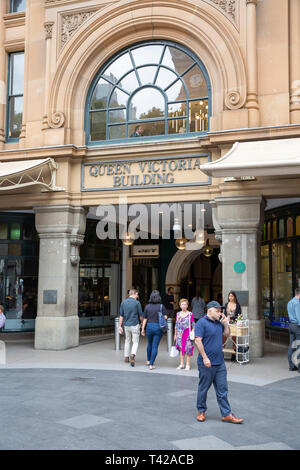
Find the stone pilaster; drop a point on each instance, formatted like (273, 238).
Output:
(61, 230)
(294, 60)
(251, 54)
(3, 75)
(239, 219)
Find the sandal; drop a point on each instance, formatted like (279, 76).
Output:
(152, 367)
(148, 363)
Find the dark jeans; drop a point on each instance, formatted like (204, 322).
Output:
(216, 375)
(294, 337)
(154, 335)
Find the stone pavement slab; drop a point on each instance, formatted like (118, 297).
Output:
(124, 410)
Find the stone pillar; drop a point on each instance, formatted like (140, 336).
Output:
(126, 271)
(3, 75)
(294, 60)
(251, 53)
(239, 219)
(61, 230)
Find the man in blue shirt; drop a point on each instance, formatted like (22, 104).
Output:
(293, 308)
(131, 314)
(209, 332)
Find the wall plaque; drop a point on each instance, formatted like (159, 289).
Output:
(50, 296)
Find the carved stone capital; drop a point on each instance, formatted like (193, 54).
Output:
(56, 120)
(248, 2)
(48, 29)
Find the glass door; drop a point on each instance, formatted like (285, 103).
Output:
(98, 294)
(18, 294)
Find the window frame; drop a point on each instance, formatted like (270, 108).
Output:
(166, 136)
(11, 3)
(10, 96)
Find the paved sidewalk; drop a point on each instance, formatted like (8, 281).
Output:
(88, 398)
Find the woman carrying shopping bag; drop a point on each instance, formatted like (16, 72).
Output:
(184, 331)
(153, 330)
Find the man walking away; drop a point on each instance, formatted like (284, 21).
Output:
(131, 315)
(209, 331)
(293, 308)
(198, 306)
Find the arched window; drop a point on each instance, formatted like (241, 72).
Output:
(149, 90)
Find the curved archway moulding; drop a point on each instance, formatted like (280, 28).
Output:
(202, 28)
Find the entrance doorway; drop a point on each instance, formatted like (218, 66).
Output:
(98, 294)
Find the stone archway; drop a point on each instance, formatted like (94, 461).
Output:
(180, 265)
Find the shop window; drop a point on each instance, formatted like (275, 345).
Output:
(17, 5)
(14, 249)
(282, 281)
(15, 95)
(298, 225)
(274, 231)
(3, 231)
(15, 231)
(153, 89)
(298, 264)
(269, 230)
(27, 232)
(3, 249)
(281, 228)
(289, 227)
(265, 281)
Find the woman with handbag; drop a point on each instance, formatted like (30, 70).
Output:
(184, 334)
(153, 330)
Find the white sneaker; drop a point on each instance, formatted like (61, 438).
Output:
(187, 367)
(180, 367)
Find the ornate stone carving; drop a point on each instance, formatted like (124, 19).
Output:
(56, 120)
(233, 100)
(229, 6)
(48, 29)
(70, 24)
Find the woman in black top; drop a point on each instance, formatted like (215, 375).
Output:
(153, 330)
(232, 310)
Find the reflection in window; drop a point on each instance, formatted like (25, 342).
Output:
(17, 5)
(15, 95)
(162, 87)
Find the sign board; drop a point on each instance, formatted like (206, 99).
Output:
(50, 296)
(239, 267)
(145, 251)
(154, 172)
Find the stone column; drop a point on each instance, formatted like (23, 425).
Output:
(126, 271)
(294, 60)
(61, 230)
(3, 77)
(251, 53)
(240, 219)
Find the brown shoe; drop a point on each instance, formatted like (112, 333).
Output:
(126, 359)
(201, 416)
(132, 360)
(232, 419)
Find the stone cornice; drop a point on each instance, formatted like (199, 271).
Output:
(12, 20)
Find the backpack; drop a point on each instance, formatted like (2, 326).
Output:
(162, 321)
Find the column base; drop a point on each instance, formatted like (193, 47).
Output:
(257, 338)
(56, 333)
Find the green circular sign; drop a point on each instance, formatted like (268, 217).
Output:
(239, 267)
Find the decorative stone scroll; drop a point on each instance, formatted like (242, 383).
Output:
(233, 100)
(56, 120)
(229, 6)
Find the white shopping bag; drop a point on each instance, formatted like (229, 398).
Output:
(174, 351)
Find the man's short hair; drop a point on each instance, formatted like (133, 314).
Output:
(297, 291)
(133, 292)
